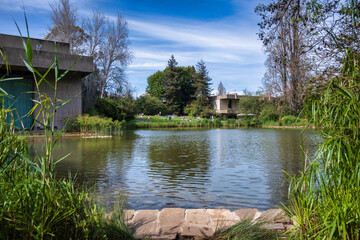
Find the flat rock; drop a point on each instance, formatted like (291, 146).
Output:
(128, 215)
(170, 220)
(144, 223)
(198, 231)
(248, 213)
(222, 218)
(275, 226)
(272, 214)
(196, 217)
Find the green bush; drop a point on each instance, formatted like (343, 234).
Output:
(150, 105)
(86, 123)
(269, 113)
(118, 109)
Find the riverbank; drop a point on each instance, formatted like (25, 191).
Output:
(180, 223)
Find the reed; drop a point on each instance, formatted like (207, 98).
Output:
(325, 199)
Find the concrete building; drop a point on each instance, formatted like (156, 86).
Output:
(23, 89)
(225, 104)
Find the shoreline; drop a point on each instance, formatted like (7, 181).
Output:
(180, 223)
(88, 134)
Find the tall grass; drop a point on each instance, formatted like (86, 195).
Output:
(325, 199)
(34, 204)
(95, 124)
(245, 230)
(177, 122)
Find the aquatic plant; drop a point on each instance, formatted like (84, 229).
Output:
(325, 199)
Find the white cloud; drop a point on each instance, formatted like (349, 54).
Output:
(148, 65)
(201, 35)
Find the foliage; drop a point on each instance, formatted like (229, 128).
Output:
(64, 25)
(178, 86)
(150, 105)
(99, 37)
(175, 122)
(197, 108)
(303, 39)
(250, 105)
(181, 86)
(116, 108)
(245, 230)
(325, 200)
(269, 113)
(156, 85)
(259, 108)
(201, 84)
(283, 30)
(86, 123)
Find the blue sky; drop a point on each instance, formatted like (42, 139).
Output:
(221, 32)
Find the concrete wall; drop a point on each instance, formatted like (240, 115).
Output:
(43, 56)
(220, 103)
(68, 88)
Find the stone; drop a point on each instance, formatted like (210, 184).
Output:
(128, 215)
(275, 226)
(170, 220)
(288, 226)
(248, 213)
(144, 223)
(165, 237)
(196, 217)
(222, 218)
(197, 231)
(272, 214)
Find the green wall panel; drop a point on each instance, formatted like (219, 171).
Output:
(20, 99)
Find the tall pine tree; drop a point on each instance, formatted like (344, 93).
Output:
(172, 86)
(202, 83)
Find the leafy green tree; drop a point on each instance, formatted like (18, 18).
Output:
(116, 108)
(150, 105)
(186, 75)
(180, 86)
(156, 85)
(250, 105)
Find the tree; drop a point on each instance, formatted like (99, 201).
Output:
(283, 30)
(150, 105)
(113, 53)
(64, 25)
(156, 85)
(172, 86)
(202, 83)
(104, 39)
(221, 89)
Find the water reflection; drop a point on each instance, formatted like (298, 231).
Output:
(208, 168)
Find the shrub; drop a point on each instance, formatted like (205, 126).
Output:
(150, 105)
(118, 109)
(86, 123)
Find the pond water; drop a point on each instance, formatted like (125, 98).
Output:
(196, 168)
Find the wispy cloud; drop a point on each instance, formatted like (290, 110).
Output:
(197, 35)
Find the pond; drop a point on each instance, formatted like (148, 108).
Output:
(196, 168)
